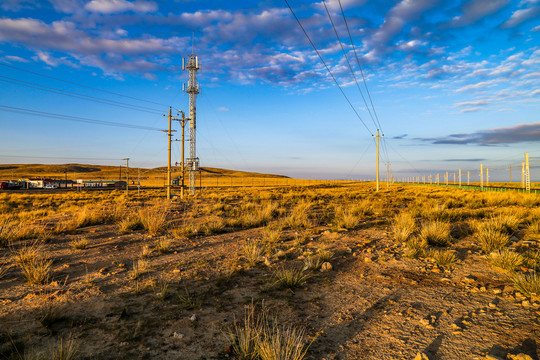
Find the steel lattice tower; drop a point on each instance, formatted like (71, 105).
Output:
(192, 89)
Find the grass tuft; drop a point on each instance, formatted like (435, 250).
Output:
(140, 267)
(289, 278)
(163, 246)
(253, 251)
(403, 226)
(442, 257)
(154, 218)
(491, 239)
(415, 247)
(436, 233)
(506, 259)
(527, 284)
(80, 244)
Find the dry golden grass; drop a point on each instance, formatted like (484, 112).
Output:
(436, 233)
(506, 259)
(403, 226)
(154, 218)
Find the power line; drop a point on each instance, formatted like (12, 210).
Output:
(359, 66)
(81, 85)
(72, 118)
(55, 157)
(78, 96)
(348, 63)
(327, 68)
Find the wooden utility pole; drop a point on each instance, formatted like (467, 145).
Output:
(487, 176)
(387, 176)
(459, 175)
(510, 173)
(127, 176)
(481, 177)
(468, 177)
(378, 136)
(523, 175)
(527, 174)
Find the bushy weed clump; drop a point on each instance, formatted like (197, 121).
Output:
(436, 233)
(506, 259)
(403, 226)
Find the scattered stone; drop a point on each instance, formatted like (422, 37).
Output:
(456, 327)
(267, 261)
(519, 357)
(421, 356)
(497, 291)
(424, 322)
(326, 266)
(469, 279)
(193, 318)
(491, 357)
(525, 303)
(178, 335)
(457, 332)
(367, 259)
(103, 270)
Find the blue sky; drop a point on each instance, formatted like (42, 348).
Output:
(454, 83)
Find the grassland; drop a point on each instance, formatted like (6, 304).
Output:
(328, 271)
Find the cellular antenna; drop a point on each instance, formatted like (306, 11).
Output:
(192, 88)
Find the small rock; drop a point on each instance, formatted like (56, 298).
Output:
(491, 357)
(103, 270)
(193, 318)
(525, 303)
(267, 261)
(178, 335)
(326, 266)
(367, 259)
(469, 279)
(421, 356)
(497, 291)
(520, 356)
(457, 332)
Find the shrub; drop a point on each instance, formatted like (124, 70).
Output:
(140, 267)
(129, 224)
(289, 277)
(154, 219)
(492, 239)
(442, 257)
(506, 259)
(346, 219)
(415, 247)
(37, 270)
(271, 235)
(527, 284)
(436, 233)
(163, 246)
(253, 251)
(403, 226)
(80, 244)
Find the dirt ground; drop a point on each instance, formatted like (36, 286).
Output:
(373, 303)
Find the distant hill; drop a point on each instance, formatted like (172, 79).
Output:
(105, 172)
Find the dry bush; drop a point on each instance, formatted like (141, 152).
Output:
(129, 224)
(507, 223)
(253, 251)
(140, 267)
(80, 244)
(163, 246)
(527, 284)
(534, 227)
(271, 235)
(37, 270)
(259, 338)
(532, 259)
(214, 226)
(442, 257)
(506, 259)
(436, 233)
(145, 251)
(415, 247)
(403, 226)
(289, 278)
(88, 216)
(325, 254)
(346, 219)
(313, 262)
(154, 218)
(491, 238)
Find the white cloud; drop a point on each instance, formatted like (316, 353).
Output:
(477, 9)
(473, 103)
(522, 15)
(470, 110)
(222, 108)
(15, 58)
(116, 6)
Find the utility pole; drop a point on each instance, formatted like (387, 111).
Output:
(378, 136)
(527, 174)
(487, 176)
(481, 177)
(169, 140)
(510, 173)
(139, 182)
(523, 175)
(387, 176)
(192, 89)
(468, 177)
(127, 176)
(459, 175)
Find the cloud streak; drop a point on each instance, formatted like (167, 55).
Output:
(499, 136)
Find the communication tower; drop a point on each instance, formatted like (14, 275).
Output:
(192, 163)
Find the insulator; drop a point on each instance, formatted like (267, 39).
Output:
(183, 64)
